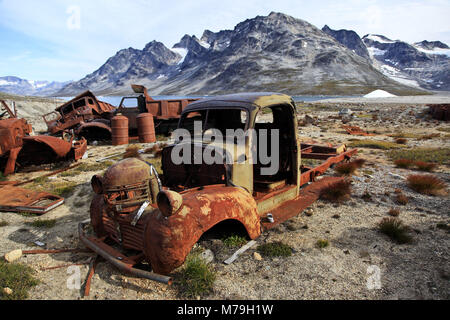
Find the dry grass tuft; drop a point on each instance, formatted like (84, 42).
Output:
(345, 169)
(401, 199)
(401, 141)
(339, 191)
(394, 212)
(132, 152)
(403, 163)
(426, 184)
(425, 166)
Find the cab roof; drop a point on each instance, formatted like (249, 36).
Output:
(249, 100)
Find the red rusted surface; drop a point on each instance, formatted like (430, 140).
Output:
(169, 240)
(146, 128)
(440, 111)
(92, 266)
(357, 131)
(24, 200)
(119, 126)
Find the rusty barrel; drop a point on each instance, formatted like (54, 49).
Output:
(146, 128)
(119, 126)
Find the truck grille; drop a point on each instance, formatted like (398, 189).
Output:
(131, 236)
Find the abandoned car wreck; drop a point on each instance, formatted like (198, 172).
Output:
(139, 216)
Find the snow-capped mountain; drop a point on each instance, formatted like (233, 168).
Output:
(275, 52)
(424, 64)
(15, 85)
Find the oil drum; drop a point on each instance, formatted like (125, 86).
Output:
(146, 128)
(119, 126)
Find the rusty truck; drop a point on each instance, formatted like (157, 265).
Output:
(141, 216)
(91, 118)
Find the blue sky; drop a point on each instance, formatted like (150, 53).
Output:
(41, 40)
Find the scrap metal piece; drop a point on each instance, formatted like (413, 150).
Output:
(356, 131)
(16, 199)
(244, 248)
(91, 272)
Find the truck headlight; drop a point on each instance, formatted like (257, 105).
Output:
(169, 202)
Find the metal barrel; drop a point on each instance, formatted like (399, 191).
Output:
(146, 128)
(119, 126)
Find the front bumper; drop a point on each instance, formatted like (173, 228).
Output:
(116, 258)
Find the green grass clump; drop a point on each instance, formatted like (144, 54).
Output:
(196, 278)
(322, 243)
(43, 223)
(395, 229)
(3, 223)
(275, 249)
(434, 155)
(2, 177)
(445, 129)
(375, 144)
(234, 241)
(18, 277)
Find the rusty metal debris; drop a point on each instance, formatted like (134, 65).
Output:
(91, 272)
(17, 199)
(52, 251)
(190, 199)
(440, 111)
(19, 148)
(95, 120)
(357, 131)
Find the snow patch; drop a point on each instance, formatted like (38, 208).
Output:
(375, 51)
(205, 44)
(7, 83)
(438, 51)
(182, 52)
(378, 39)
(379, 94)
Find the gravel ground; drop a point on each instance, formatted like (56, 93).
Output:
(420, 270)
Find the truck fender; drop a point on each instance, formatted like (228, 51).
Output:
(168, 241)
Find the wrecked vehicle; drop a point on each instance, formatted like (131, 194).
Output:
(165, 112)
(19, 149)
(84, 114)
(91, 118)
(158, 219)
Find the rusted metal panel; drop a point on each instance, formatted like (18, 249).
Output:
(23, 200)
